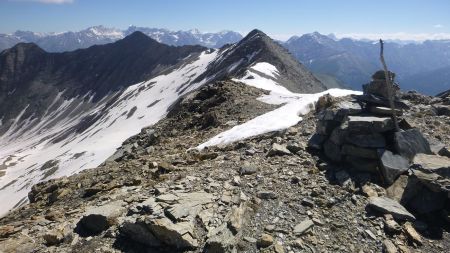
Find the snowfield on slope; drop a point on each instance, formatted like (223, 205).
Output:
(41, 150)
(293, 105)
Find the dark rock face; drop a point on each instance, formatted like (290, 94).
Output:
(411, 142)
(370, 124)
(372, 140)
(93, 224)
(36, 77)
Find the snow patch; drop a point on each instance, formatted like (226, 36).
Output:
(293, 106)
(266, 68)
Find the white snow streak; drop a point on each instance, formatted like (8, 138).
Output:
(24, 153)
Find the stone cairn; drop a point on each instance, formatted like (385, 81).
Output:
(359, 134)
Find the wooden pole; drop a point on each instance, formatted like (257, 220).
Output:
(389, 87)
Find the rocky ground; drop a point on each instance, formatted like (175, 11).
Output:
(265, 194)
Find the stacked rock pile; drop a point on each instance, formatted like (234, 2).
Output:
(359, 133)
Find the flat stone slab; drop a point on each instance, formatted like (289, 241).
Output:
(178, 235)
(188, 206)
(368, 98)
(433, 163)
(433, 181)
(380, 110)
(389, 206)
(303, 226)
(340, 110)
(370, 124)
(109, 210)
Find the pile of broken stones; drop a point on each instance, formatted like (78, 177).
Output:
(358, 133)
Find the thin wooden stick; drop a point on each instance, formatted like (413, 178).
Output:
(389, 87)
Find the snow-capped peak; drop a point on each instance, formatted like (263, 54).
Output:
(104, 31)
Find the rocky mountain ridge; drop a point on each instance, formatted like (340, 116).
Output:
(420, 66)
(66, 112)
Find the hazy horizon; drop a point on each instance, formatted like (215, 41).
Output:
(403, 20)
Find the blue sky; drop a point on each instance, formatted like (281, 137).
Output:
(281, 19)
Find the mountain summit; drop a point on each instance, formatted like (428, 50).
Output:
(258, 47)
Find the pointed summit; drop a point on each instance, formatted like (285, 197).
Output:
(138, 36)
(257, 47)
(255, 32)
(255, 35)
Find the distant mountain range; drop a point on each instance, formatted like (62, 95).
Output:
(336, 62)
(97, 35)
(419, 66)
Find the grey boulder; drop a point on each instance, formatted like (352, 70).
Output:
(411, 142)
(392, 166)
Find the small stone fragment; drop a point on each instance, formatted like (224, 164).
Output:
(412, 233)
(389, 247)
(247, 169)
(278, 247)
(371, 235)
(303, 226)
(278, 150)
(265, 241)
(266, 195)
(390, 225)
(6, 231)
(369, 191)
(53, 238)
